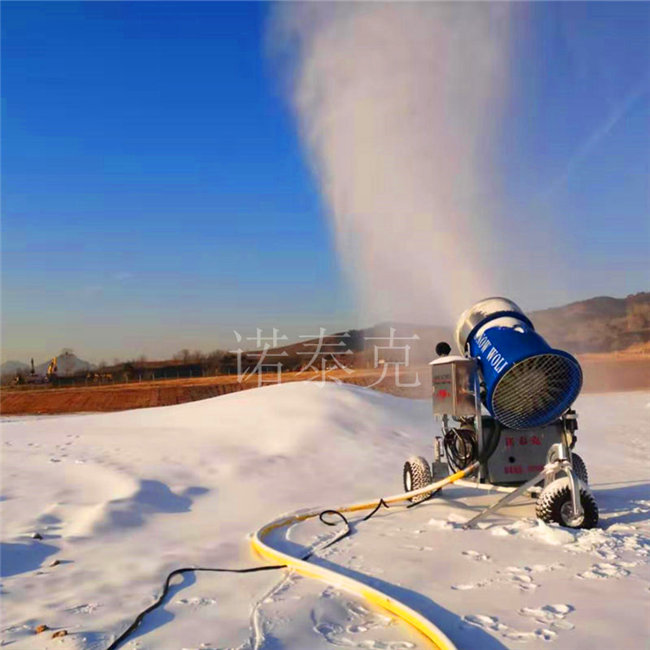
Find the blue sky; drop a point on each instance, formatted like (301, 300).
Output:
(155, 195)
(576, 142)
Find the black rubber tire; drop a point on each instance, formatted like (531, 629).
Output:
(553, 501)
(417, 474)
(580, 468)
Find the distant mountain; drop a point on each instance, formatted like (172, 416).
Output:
(600, 324)
(68, 363)
(12, 367)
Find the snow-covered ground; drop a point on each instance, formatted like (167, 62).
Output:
(121, 499)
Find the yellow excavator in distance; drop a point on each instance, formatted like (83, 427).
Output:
(52, 369)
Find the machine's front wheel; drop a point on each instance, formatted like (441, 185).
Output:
(554, 505)
(417, 474)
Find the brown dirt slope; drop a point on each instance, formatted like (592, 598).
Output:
(597, 325)
(602, 373)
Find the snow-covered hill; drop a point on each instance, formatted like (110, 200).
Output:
(122, 498)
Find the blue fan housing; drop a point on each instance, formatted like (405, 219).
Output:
(527, 383)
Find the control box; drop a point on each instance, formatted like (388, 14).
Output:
(453, 381)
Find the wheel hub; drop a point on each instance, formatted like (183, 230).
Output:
(568, 516)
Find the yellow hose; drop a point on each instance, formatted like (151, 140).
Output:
(396, 607)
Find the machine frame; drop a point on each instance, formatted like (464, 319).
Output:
(456, 392)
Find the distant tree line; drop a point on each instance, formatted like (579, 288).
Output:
(196, 363)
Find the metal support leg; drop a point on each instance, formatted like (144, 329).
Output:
(574, 486)
(550, 468)
(478, 426)
(560, 453)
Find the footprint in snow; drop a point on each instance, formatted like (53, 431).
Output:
(415, 547)
(603, 571)
(540, 568)
(337, 620)
(519, 577)
(553, 614)
(467, 587)
(516, 576)
(196, 602)
(541, 634)
(87, 608)
(475, 555)
(484, 621)
(492, 623)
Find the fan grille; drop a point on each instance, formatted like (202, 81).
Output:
(536, 391)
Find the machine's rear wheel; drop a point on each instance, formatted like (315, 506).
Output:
(579, 468)
(417, 474)
(554, 505)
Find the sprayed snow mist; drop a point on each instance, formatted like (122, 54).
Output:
(397, 105)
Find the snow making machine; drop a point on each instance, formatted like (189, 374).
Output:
(525, 441)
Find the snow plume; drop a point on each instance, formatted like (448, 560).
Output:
(397, 105)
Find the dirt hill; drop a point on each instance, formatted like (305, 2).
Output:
(597, 325)
(600, 324)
